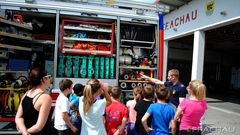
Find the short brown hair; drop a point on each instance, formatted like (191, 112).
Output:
(116, 92)
(148, 91)
(64, 84)
(164, 93)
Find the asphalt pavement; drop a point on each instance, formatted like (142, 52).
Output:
(223, 114)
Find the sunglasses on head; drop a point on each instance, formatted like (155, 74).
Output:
(48, 76)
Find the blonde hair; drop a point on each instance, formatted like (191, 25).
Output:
(93, 85)
(198, 89)
(137, 93)
(174, 72)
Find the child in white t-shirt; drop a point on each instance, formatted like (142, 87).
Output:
(62, 121)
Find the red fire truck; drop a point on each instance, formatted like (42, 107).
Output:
(110, 40)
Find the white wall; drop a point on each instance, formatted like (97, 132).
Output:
(194, 17)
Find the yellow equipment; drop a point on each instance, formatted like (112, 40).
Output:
(13, 103)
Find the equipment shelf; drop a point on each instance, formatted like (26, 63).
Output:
(46, 42)
(140, 67)
(87, 39)
(21, 25)
(15, 36)
(88, 29)
(74, 26)
(136, 81)
(91, 52)
(15, 89)
(7, 71)
(15, 47)
(137, 44)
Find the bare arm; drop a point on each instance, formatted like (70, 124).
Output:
(106, 95)
(77, 114)
(72, 107)
(67, 121)
(153, 80)
(19, 120)
(46, 101)
(178, 113)
(174, 127)
(144, 122)
(122, 127)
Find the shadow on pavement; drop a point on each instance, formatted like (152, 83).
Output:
(225, 97)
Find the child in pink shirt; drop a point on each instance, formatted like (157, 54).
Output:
(192, 109)
(132, 113)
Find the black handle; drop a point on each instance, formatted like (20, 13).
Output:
(28, 9)
(89, 14)
(139, 20)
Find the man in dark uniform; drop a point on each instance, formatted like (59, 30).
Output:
(178, 89)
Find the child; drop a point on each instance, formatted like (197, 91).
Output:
(92, 110)
(74, 103)
(116, 114)
(109, 89)
(162, 114)
(132, 113)
(141, 107)
(62, 121)
(192, 109)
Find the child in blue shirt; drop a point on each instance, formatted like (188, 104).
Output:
(162, 114)
(74, 103)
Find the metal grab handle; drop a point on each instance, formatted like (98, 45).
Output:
(139, 20)
(28, 9)
(88, 14)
